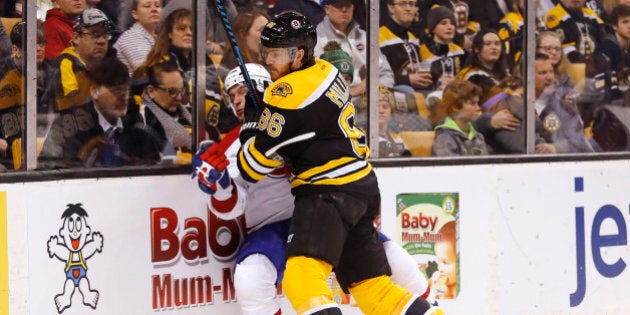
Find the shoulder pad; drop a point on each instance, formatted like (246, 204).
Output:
(301, 88)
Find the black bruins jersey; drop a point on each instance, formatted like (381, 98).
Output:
(72, 81)
(401, 49)
(308, 122)
(11, 107)
(581, 31)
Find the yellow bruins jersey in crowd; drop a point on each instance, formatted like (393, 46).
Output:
(401, 49)
(72, 81)
(308, 123)
(444, 59)
(581, 33)
(11, 106)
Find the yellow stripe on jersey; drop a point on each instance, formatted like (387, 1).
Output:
(69, 81)
(387, 38)
(589, 13)
(352, 175)
(255, 164)
(331, 165)
(556, 15)
(306, 86)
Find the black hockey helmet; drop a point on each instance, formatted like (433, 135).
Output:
(290, 29)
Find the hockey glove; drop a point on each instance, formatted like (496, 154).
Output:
(210, 168)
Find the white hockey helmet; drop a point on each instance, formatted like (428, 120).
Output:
(261, 78)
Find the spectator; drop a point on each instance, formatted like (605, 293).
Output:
(44, 71)
(486, 65)
(135, 43)
(506, 101)
(247, 27)
(610, 65)
(12, 99)
(550, 44)
(402, 48)
(309, 8)
(92, 31)
(464, 26)
(511, 32)
(215, 33)
(563, 129)
(59, 25)
(338, 25)
(164, 113)
(93, 134)
(456, 136)
(390, 144)
(173, 44)
(444, 57)
(581, 27)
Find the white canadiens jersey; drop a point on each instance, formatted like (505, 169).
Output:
(267, 201)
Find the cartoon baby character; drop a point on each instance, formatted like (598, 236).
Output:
(75, 247)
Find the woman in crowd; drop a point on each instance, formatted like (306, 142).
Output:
(173, 44)
(247, 27)
(136, 42)
(486, 64)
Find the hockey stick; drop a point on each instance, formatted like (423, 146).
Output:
(239, 57)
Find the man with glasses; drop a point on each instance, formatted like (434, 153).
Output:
(164, 113)
(338, 25)
(92, 31)
(93, 134)
(402, 48)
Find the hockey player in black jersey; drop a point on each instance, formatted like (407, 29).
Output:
(307, 122)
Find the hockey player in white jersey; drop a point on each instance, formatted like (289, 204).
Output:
(268, 206)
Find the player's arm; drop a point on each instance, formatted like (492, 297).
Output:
(278, 131)
(210, 167)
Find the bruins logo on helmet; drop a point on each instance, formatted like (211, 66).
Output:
(296, 24)
(282, 89)
(552, 122)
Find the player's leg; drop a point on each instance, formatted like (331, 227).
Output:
(405, 272)
(259, 268)
(314, 246)
(364, 270)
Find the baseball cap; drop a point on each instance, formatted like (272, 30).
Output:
(91, 17)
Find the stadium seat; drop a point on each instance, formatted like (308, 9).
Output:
(419, 143)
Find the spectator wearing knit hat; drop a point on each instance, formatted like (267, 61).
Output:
(340, 59)
(465, 28)
(439, 51)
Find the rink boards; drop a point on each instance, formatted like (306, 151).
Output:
(539, 238)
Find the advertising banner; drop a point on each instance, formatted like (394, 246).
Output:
(427, 229)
